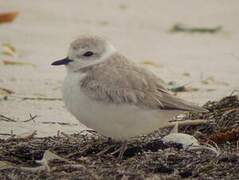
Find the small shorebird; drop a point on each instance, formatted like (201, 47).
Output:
(113, 95)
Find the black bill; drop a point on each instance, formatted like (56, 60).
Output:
(64, 61)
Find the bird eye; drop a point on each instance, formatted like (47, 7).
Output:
(88, 53)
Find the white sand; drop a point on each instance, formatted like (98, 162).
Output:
(138, 28)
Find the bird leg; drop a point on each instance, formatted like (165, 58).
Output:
(121, 150)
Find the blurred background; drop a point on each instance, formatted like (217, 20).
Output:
(192, 45)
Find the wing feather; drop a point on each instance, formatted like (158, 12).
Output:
(120, 81)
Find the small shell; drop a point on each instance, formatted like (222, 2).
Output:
(185, 139)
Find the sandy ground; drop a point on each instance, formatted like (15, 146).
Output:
(140, 30)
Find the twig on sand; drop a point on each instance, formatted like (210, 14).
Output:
(187, 29)
(60, 123)
(7, 119)
(36, 98)
(7, 134)
(41, 98)
(234, 91)
(32, 118)
(237, 58)
(6, 91)
(68, 136)
(187, 122)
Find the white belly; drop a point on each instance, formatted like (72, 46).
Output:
(116, 121)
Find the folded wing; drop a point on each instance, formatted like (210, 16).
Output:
(121, 81)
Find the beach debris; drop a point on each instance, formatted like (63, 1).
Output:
(7, 17)
(209, 147)
(175, 128)
(235, 56)
(60, 123)
(32, 118)
(7, 119)
(33, 169)
(5, 165)
(211, 80)
(123, 6)
(17, 63)
(186, 29)
(35, 98)
(188, 122)
(8, 134)
(228, 135)
(186, 140)
(235, 92)
(8, 49)
(174, 87)
(5, 91)
(88, 156)
(210, 89)
(186, 74)
(104, 23)
(150, 63)
(50, 156)
(41, 98)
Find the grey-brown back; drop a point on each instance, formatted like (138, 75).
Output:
(120, 81)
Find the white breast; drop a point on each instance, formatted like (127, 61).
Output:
(116, 121)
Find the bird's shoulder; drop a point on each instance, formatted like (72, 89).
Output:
(119, 72)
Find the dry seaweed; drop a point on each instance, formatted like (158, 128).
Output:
(151, 63)
(91, 156)
(7, 17)
(228, 135)
(8, 49)
(5, 91)
(186, 29)
(17, 63)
